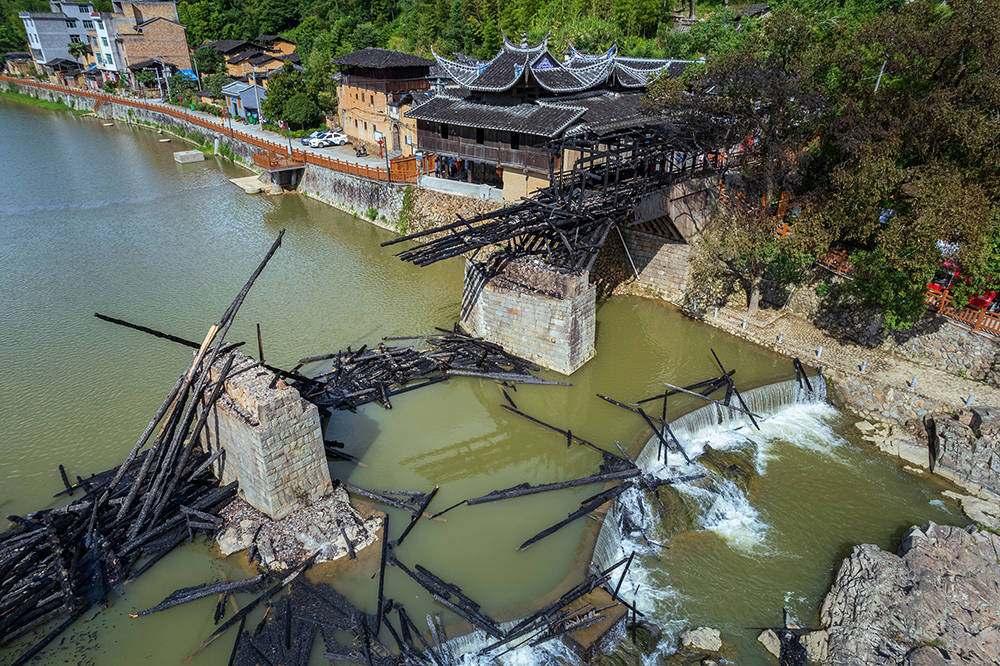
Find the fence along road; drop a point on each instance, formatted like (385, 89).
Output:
(402, 170)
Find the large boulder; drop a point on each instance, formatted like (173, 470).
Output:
(942, 590)
(706, 639)
(966, 448)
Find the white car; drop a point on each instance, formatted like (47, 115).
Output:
(336, 138)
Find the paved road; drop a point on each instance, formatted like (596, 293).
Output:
(344, 153)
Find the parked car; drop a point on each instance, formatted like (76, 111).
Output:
(315, 135)
(945, 277)
(327, 139)
(336, 138)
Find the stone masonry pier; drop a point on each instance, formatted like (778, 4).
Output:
(272, 439)
(533, 311)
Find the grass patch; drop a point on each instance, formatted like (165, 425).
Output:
(28, 99)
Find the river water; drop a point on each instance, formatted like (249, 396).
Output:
(101, 219)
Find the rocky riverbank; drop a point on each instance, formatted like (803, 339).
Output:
(962, 447)
(935, 602)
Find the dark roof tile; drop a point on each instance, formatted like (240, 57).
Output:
(544, 119)
(373, 58)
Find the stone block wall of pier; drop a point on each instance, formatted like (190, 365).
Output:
(272, 439)
(534, 312)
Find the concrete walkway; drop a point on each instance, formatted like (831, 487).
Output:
(801, 338)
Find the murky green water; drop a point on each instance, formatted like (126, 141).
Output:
(102, 219)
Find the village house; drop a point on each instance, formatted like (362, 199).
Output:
(255, 59)
(243, 98)
(377, 87)
(19, 64)
(137, 35)
(493, 132)
(150, 36)
(50, 33)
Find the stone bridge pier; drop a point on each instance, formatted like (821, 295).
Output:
(534, 311)
(272, 439)
(548, 315)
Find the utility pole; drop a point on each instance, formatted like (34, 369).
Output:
(255, 93)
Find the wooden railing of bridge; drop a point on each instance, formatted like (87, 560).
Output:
(401, 170)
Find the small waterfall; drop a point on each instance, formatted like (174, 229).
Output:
(724, 508)
(765, 401)
(632, 523)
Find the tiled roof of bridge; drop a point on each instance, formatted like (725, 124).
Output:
(547, 119)
(582, 71)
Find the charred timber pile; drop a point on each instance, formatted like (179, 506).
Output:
(376, 375)
(58, 563)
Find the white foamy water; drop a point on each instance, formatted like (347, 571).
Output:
(791, 416)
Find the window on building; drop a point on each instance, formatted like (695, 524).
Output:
(444, 130)
(84, 9)
(104, 40)
(98, 25)
(98, 56)
(74, 38)
(355, 124)
(515, 141)
(71, 23)
(480, 135)
(88, 25)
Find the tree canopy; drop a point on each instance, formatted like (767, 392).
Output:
(879, 120)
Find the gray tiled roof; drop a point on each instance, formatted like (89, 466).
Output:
(581, 72)
(373, 58)
(544, 119)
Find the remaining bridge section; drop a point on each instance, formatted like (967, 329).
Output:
(531, 293)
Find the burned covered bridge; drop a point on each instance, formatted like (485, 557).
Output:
(529, 282)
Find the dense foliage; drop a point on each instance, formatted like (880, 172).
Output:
(880, 122)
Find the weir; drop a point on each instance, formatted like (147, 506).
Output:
(765, 400)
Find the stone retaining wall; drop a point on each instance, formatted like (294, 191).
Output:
(857, 395)
(662, 264)
(272, 440)
(533, 312)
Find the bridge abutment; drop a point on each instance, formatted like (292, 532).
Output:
(272, 439)
(536, 312)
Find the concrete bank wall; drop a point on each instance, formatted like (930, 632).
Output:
(113, 111)
(383, 204)
(403, 208)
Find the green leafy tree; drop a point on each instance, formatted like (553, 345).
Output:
(302, 111)
(78, 50)
(911, 156)
(209, 61)
(280, 89)
(181, 88)
(213, 84)
(759, 95)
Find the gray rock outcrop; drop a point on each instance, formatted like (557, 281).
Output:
(965, 448)
(702, 638)
(938, 599)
